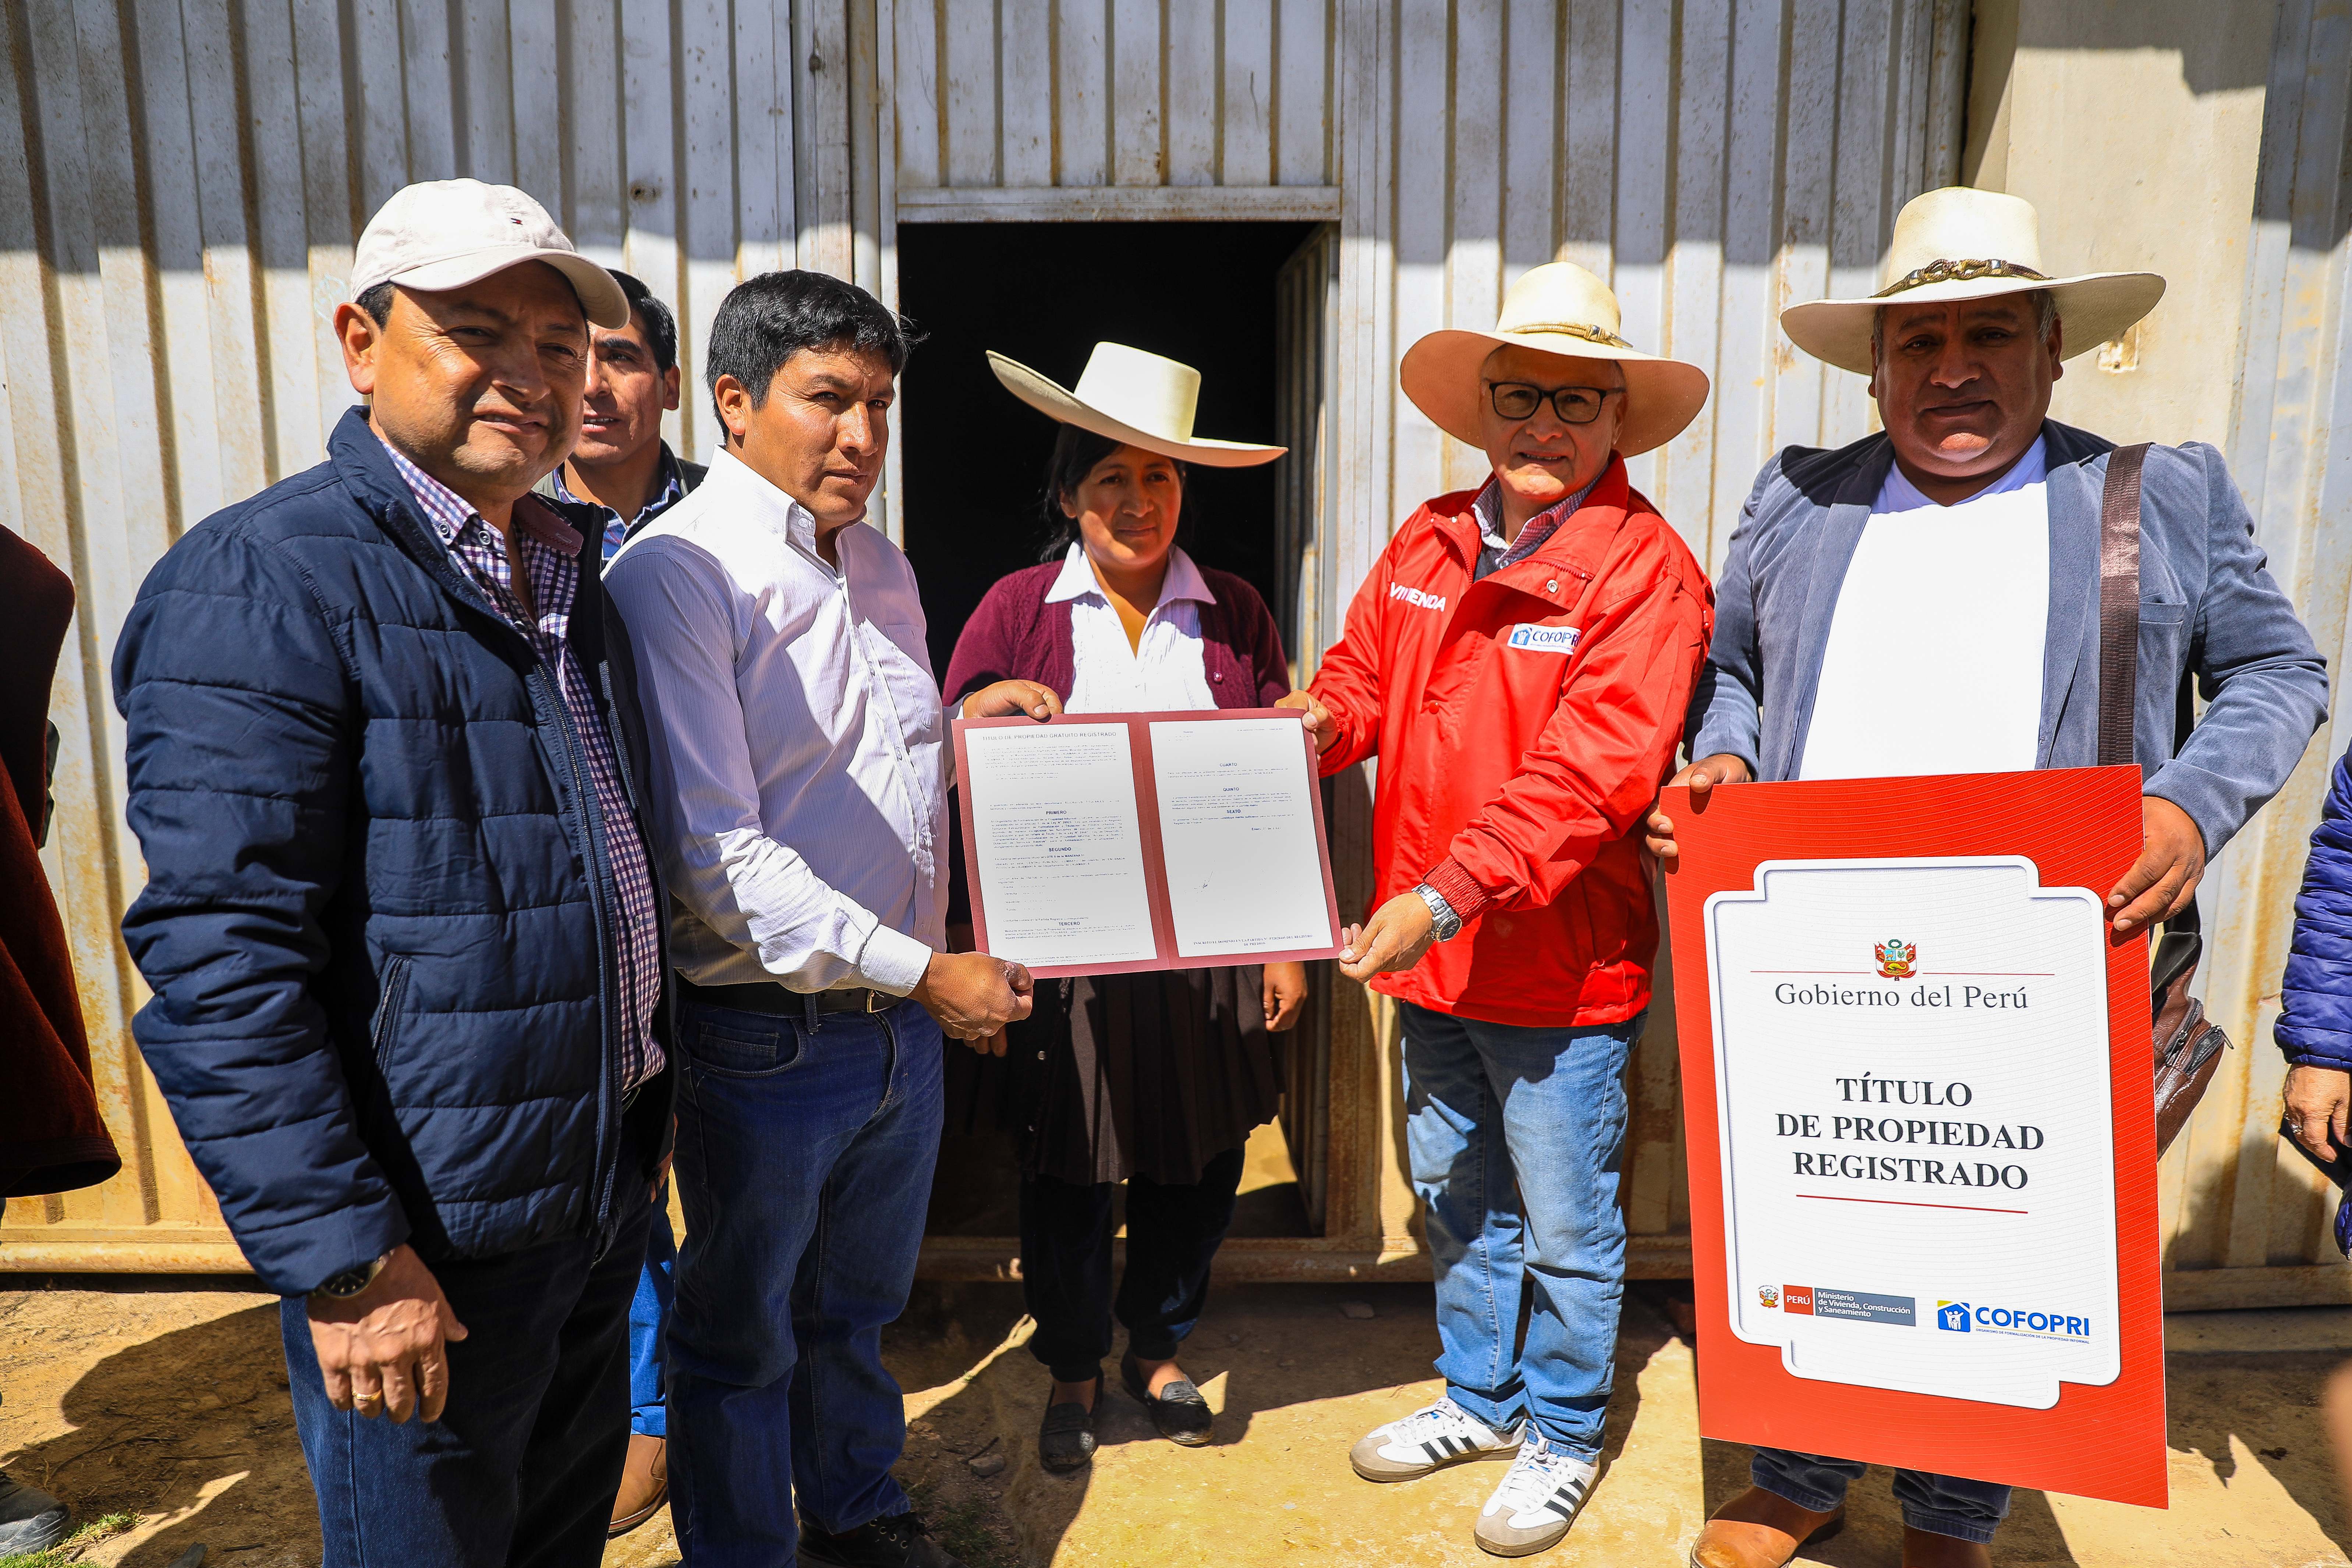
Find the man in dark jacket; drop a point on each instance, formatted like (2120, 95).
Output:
(400, 927)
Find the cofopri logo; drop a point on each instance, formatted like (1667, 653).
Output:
(1964, 1317)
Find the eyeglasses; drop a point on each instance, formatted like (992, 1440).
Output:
(1575, 406)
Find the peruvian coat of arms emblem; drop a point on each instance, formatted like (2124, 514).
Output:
(1897, 960)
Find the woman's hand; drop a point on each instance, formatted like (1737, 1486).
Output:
(1006, 698)
(1284, 993)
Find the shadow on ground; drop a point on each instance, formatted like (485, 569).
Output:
(1290, 1374)
(192, 1429)
(2209, 1397)
(169, 1401)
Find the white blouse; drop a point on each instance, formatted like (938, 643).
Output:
(1164, 672)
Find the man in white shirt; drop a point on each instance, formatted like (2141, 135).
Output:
(1926, 601)
(799, 802)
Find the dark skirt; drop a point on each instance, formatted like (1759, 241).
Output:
(1112, 1076)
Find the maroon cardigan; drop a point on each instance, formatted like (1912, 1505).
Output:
(52, 1138)
(1015, 635)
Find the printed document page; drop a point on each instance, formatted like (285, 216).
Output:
(1060, 849)
(1237, 826)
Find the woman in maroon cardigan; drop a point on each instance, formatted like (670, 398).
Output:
(1153, 1078)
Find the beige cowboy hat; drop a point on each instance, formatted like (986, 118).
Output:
(1963, 243)
(1129, 397)
(1560, 308)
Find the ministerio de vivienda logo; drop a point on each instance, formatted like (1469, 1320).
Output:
(1898, 959)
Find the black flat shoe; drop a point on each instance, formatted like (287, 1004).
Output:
(1179, 1411)
(1065, 1441)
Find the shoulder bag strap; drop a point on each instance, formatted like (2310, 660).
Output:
(2119, 603)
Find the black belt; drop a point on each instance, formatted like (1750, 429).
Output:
(767, 996)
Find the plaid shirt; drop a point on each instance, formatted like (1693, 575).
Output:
(618, 529)
(1494, 553)
(551, 551)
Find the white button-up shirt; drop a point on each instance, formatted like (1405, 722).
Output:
(799, 790)
(1165, 672)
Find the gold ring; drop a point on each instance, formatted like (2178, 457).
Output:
(367, 1398)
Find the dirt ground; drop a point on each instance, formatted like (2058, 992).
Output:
(166, 1401)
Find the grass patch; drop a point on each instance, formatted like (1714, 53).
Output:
(961, 1527)
(69, 1550)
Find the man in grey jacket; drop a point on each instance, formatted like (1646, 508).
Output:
(1924, 546)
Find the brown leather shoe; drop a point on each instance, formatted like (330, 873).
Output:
(1925, 1549)
(644, 1484)
(1760, 1529)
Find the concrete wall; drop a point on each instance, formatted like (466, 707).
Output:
(2134, 126)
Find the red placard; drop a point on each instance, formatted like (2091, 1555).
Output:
(1155, 866)
(2081, 828)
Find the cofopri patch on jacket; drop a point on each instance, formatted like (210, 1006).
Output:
(1534, 639)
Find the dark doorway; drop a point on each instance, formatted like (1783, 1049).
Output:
(973, 456)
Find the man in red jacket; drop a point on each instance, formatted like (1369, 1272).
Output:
(1519, 661)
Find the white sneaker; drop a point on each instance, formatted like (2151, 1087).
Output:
(1537, 1502)
(1430, 1439)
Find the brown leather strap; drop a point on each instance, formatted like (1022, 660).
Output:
(2119, 603)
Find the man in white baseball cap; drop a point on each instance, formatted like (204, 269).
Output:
(446, 234)
(403, 935)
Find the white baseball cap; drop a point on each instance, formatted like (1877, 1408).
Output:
(446, 234)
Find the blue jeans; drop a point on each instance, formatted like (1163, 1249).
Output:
(521, 1470)
(1515, 1136)
(1940, 1505)
(804, 1150)
(650, 1326)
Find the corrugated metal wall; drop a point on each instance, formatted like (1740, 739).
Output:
(1033, 94)
(180, 186)
(1714, 160)
(190, 189)
(2246, 1220)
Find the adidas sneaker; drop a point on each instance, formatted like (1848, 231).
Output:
(1430, 1439)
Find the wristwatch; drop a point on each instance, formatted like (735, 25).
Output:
(343, 1286)
(1449, 925)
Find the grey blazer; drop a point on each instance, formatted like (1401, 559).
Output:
(2207, 605)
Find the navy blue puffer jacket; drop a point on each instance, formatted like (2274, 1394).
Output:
(2315, 1022)
(383, 969)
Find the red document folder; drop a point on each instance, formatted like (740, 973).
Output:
(1166, 947)
(2081, 830)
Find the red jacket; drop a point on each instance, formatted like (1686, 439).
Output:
(1523, 724)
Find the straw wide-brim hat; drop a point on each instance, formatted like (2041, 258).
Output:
(1135, 398)
(1963, 243)
(1560, 308)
